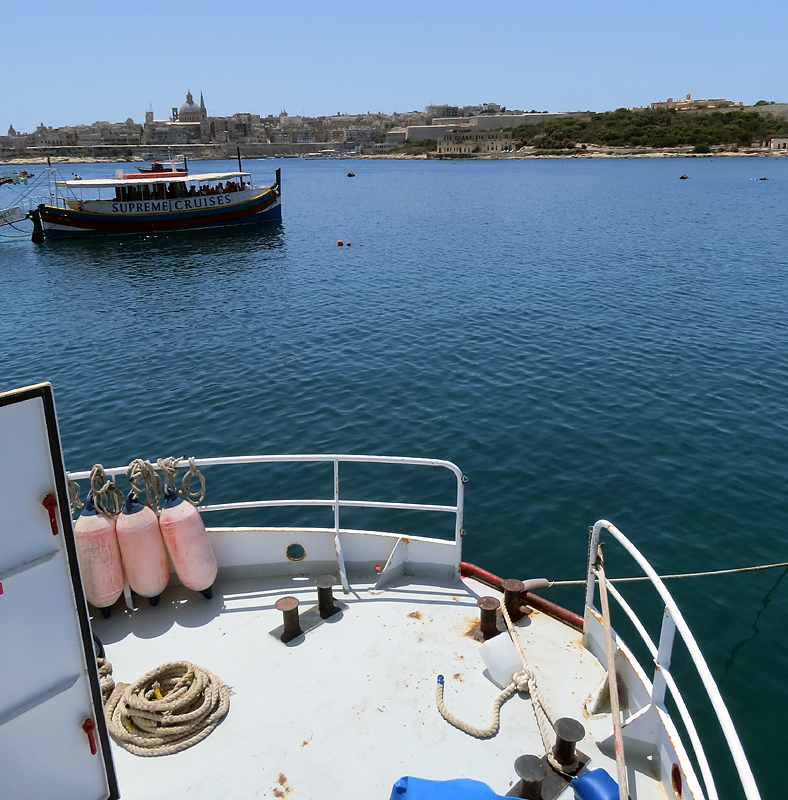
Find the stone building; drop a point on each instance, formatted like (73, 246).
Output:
(468, 141)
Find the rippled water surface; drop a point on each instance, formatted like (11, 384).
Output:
(585, 339)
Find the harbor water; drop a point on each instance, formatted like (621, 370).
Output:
(586, 339)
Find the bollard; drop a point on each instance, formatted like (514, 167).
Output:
(488, 607)
(325, 596)
(531, 771)
(568, 732)
(512, 589)
(289, 608)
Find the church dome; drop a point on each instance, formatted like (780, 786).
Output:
(189, 107)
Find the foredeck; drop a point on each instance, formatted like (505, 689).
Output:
(348, 708)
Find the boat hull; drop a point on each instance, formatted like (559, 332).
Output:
(155, 216)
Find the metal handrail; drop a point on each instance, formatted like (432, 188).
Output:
(336, 502)
(673, 620)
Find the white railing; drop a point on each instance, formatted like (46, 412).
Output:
(671, 622)
(335, 502)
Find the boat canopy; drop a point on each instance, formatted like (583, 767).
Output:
(146, 180)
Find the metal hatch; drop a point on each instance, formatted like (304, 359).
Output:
(53, 735)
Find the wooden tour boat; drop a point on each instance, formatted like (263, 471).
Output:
(155, 203)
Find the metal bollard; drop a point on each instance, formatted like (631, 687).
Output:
(289, 608)
(325, 596)
(568, 732)
(512, 588)
(531, 771)
(488, 607)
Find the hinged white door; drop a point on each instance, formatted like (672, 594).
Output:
(53, 736)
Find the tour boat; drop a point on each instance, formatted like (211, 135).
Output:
(154, 203)
(340, 660)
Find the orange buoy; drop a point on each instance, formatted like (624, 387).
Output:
(339, 243)
(187, 543)
(348, 244)
(100, 564)
(142, 549)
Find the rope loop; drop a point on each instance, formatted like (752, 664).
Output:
(195, 498)
(107, 498)
(143, 477)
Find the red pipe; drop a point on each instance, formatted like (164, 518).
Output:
(546, 606)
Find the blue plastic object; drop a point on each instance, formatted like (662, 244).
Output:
(132, 505)
(408, 788)
(90, 508)
(171, 498)
(595, 785)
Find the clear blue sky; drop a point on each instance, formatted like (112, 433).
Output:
(64, 63)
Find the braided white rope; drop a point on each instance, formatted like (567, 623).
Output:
(167, 710)
(523, 681)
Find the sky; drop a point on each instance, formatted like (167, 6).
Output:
(65, 63)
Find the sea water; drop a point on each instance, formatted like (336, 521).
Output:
(585, 338)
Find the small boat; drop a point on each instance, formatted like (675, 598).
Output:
(155, 203)
(173, 166)
(362, 659)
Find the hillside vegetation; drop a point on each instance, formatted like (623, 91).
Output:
(651, 128)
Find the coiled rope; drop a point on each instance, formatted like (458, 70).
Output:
(143, 477)
(522, 681)
(169, 709)
(107, 498)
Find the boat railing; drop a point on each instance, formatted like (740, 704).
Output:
(336, 502)
(673, 621)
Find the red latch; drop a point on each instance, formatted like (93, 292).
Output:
(1, 588)
(50, 504)
(90, 729)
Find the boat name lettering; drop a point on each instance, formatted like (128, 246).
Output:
(181, 204)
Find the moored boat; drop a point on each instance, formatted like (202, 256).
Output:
(155, 203)
(331, 639)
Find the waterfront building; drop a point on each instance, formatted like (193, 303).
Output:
(468, 141)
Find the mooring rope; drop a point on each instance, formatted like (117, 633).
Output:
(705, 574)
(107, 498)
(169, 709)
(523, 681)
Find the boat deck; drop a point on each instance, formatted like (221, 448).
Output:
(348, 708)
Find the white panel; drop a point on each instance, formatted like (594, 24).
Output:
(45, 691)
(25, 479)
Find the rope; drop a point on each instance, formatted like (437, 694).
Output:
(105, 678)
(107, 498)
(167, 710)
(142, 474)
(523, 681)
(169, 468)
(195, 498)
(73, 496)
(679, 575)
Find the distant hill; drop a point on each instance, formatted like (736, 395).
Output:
(651, 128)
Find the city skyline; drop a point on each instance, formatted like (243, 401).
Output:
(97, 64)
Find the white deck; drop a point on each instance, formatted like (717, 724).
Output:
(349, 708)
